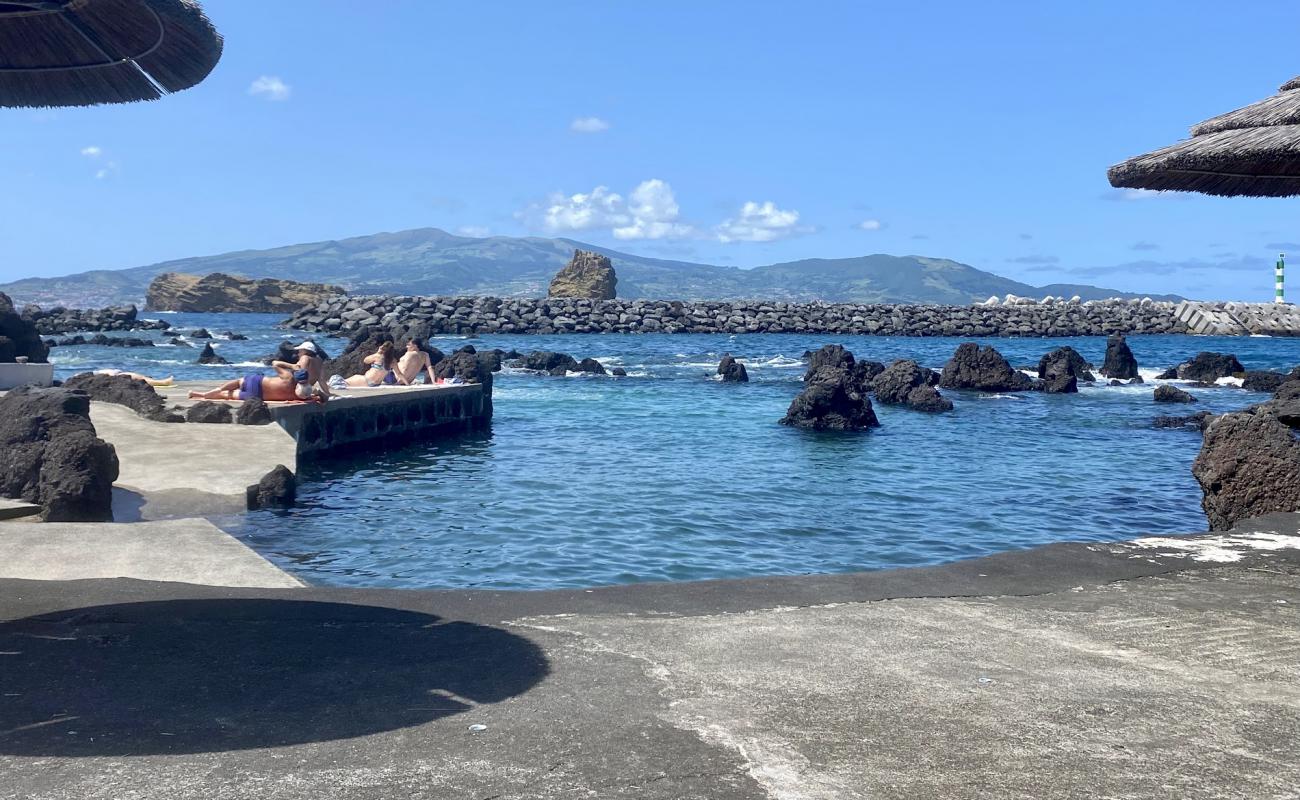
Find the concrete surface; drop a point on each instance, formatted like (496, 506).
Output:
(1239, 319)
(184, 550)
(188, 469)
(12, 375)
(17, 509)
(1164, 668)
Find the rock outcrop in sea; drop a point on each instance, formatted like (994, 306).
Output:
(1120, 363)
(210, 356)
(833, 398)
(906, 383)
(731, 370)
(221, 293)
(19, 337)
(587, 275)
(982, 369)
(1171, 394)
(51, 456)
(1209, 367)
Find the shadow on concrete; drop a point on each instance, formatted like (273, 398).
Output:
(189, 676)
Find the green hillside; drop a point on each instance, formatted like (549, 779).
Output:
(432, 261)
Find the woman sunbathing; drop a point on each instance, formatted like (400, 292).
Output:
(379, 368)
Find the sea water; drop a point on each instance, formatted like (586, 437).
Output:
(670, 475)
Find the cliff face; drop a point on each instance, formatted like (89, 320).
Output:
(218, 292)
(589, 275)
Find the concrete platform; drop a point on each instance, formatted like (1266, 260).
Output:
(187, 470)
(182, 550)
(1150, 670)
(17, 509)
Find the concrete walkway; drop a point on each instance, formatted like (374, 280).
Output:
(186, 470)
(183, 550)
(1166, 668)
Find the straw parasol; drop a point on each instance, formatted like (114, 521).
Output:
(1253, 152)
(87, 52)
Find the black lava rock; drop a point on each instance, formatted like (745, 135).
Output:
(1197, 421)
(209, 356)
(1263, 381)
(50, 455)
(208, 411)
(253, 412)
(547, 361)
(592, 366)
(1172, 394)
(1120, 362)
(731, 370)
(124, 390)
(277, 489)
(19, 338)
(201, 333)
(1209, 367)
(1062, 362)
(618, 372)
(833, 399)
(983, 369)
(907, 383)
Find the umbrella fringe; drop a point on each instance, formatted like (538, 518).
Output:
(81, 56)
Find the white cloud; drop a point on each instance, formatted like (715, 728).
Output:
(270, 87)
(589, 125)
(871, 225)
(654, 214)
(599, 208)
(92, 151)
(649, 212)
(107, 170)
(474, 231)
(761, 222)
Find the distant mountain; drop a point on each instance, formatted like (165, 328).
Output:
(432, 261)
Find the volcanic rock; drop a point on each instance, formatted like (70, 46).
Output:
(1170, 374)
(1120, 362)
(209, 356)
(1258, 380)
(50, 455)
(587, 275)
(1065, 361)
(833, 399)
(983, 369)
(123, 390)
(1209, 367)
(731, 370)
(468, 366)
(618, 372)
(907, 383)
(19, 338)
(208, 411)
(201, 333)
(547, 361)
(1172, 394)
(1059, 384)
(1198, 421)
(221, 293)
(253, 411)
(1249, 465)
(277, 489)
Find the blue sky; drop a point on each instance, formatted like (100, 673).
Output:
(715, 132)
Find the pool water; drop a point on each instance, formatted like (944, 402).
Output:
(670, 475)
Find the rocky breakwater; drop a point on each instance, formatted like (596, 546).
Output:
(465, 315)
(50, 455)
(60, 320)
(221, 293)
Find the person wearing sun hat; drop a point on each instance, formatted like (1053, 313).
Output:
(307, 373)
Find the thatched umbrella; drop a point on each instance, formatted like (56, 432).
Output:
(1253, 151)
(87, 52)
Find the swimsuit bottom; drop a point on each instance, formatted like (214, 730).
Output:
(251, 387)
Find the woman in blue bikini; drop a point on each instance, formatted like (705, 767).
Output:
(379, 368)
